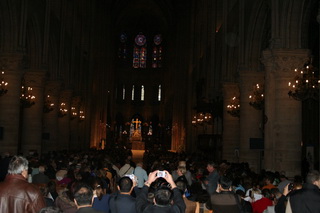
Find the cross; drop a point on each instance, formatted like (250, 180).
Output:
(136, 122)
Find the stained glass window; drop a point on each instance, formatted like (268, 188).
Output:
(140, 51)
(122, 51)
(157, 52)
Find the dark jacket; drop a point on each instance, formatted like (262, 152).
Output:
(144, 206)
(306, 199)
(122, 203)
(225, 202)
(88, 210)
(17, 195)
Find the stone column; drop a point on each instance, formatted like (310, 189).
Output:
(231, 125)
(64, 122)
(250, 119)
(50, 119)
(74, 124)
(32, 117)
(12, 65)
(283, 129)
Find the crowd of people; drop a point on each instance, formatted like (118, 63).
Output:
(163, 181)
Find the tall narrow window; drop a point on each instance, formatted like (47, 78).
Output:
(124, 92)
(159, 93)
(142, 93)
(132, 93)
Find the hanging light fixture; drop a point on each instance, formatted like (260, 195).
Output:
(305, 84)
(62, 111)
(3, 85)
(81, 115)
(48, 105)
(257, 97)
(73, 113)
(234, 107)
(26, 98)
(204, 113)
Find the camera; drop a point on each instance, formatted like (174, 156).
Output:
(130, 176)
(161, 174)
(290, 187)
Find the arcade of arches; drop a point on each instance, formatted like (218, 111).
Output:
(134, 73)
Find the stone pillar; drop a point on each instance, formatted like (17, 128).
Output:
(12, 65)
(231, 125)
(283, 129)
(74, 124)
(250, 119)
(50, 119)
(64, 122)
(32, 117)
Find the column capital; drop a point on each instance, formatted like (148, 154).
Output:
(285, 60)
(65, 95)
(13, 61)
(53, 87)
(230, 89)
(35, 78)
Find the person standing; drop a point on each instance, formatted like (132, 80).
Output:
(211, 182)
(16, 194)
(141, 174)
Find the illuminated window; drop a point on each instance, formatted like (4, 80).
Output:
(132, 93)
(142, 93)
(123, 92)
(159, 93)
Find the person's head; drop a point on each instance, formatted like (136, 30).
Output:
(51, 209)
(18, 166)
(83, 195)
(97, 186)
(140, 164)
(163, 196)
(182, 170)
(42, 169)
(268, 179)
(125, 185)
(211, 166)
(182, 186)
(224, 183)
(313, 177)
(266, 193)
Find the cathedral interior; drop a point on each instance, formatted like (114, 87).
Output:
(215, 76)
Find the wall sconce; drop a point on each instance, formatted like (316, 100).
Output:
(3, 85)
(62, 111)
(26, 98)
(257, 98)
(81, 115)
(73, 113)
(305, 84)
(48, 105)
(234, 107)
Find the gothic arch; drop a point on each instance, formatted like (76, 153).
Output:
(9, 26)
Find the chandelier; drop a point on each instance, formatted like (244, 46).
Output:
(26, 98)
(234, 107)
(305, 84)
(81, 115)
(73, 113)
(201, 118)
(62, 111)
(3, 85)
(48, 105)
(257, 98)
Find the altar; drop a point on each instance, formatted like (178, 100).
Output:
(135, 135)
